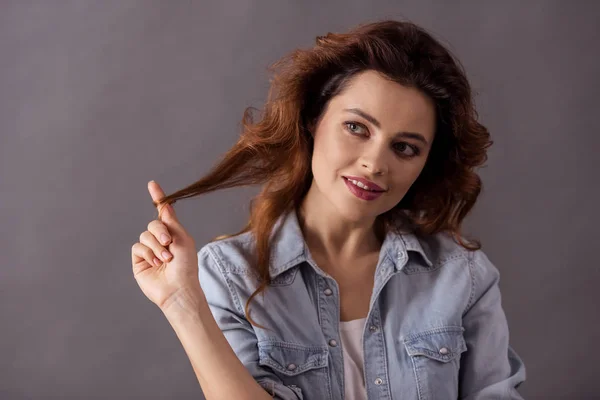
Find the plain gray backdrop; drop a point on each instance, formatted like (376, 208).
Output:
(99, 97)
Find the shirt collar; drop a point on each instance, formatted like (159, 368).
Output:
(290, 249)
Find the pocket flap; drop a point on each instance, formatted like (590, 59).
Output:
(441, 344)
(290, 358)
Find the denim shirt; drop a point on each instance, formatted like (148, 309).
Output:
(435, 329)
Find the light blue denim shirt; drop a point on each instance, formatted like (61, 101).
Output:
(435, 329)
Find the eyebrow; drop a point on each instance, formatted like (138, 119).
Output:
(373, 120)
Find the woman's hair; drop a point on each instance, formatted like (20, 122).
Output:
(276, 150)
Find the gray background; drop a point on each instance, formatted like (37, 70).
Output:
(99, 97)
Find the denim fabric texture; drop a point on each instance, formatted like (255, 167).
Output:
(435, 329)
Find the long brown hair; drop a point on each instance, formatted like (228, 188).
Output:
(276, 150)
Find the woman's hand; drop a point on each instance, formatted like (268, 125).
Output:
(163, 277)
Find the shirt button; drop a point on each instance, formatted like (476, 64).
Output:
(378, 381)
(443, 350)
(291, 367)
(373, 328)
(332, 343)
(328, 292)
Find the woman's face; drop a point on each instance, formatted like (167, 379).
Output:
(364, 133)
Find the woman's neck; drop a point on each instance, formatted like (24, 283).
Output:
(335, 240)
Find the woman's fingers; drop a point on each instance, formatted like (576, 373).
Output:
(141, 253)
(166, 212)
(157, 194)
(150, 241)
(160, 231)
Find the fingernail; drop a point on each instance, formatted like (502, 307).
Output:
(164, 238)
(157, 262)
(166, 255)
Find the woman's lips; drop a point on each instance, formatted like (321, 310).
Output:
(366, 182)
(361, 193)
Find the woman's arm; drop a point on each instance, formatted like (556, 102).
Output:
(196, 299)
(220, 373)
(490, 369)
(219, 340)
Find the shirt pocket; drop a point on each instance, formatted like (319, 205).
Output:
(435, 356)
(298, 366)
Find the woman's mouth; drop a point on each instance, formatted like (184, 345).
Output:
(361, 193)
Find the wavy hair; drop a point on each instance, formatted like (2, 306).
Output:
(276, 150)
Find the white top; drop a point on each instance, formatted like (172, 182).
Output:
(351, 338)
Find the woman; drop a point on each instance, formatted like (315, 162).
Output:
(366, 153)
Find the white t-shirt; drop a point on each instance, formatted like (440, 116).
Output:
(351, 338)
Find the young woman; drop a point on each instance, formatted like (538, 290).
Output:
(366, 152)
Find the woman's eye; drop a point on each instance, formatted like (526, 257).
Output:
(414, 150)
(400, 147)
(352, 126)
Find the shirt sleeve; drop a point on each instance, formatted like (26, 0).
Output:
(227, 311)
(490, 368)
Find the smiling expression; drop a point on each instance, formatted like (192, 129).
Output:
(375, 129)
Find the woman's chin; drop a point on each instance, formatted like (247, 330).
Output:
(357, 214)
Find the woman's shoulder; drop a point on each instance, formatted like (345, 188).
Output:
(437, 248)
(442, 248)
(233, 254)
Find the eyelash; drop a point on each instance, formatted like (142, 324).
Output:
(415, 148)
